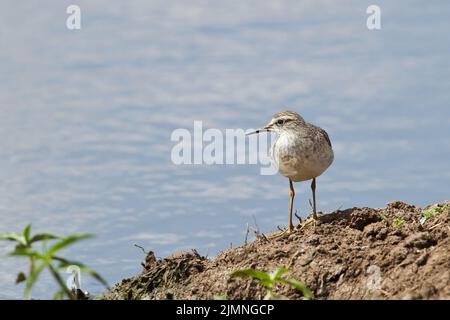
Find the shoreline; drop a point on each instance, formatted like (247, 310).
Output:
(357, 253)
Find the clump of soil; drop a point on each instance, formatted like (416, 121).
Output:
(358, 253)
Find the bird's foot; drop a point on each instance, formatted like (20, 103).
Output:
(314, 221)
(282, 232)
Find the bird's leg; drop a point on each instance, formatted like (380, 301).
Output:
(313, 188)
(315, 219)
(291, 206)
(292, 194)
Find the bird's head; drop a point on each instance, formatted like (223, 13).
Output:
(281, 122)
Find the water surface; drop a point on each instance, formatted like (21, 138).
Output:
(86, 117)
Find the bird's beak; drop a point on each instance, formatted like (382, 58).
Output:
(265, 129)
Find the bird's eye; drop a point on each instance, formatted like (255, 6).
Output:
(280, 122)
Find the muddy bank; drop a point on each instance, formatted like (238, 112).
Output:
(398, 252)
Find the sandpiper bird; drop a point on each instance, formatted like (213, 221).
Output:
(301, 151)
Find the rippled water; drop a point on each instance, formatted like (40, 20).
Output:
(86, 117)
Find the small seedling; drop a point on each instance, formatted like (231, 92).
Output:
(398, 222)
(431, 213)
(269, 280)
(47, 258)
(385, 219)
(368, 295)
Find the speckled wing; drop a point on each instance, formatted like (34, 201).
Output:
(325, 135)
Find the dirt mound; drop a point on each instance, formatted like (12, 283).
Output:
(399, 252)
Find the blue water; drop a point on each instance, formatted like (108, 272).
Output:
(86, 118)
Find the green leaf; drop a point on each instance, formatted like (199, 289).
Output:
(252, 273)
(268, 283)
(34, 275)
(64, 264)
(278, 273)
(43, 236)
(60, 281)
(26, 252)
(13, 236)
(26, 234)
(431, 213)
(398, 222)
(300, 286)
(222, 297)
(21, 277)
(67, 242)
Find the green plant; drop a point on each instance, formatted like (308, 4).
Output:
(398, 222)
(368, 295)
(269, 280)
(431, 213)
(385, 219)
(47, 258)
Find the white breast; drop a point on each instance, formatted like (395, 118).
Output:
(301, 158)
